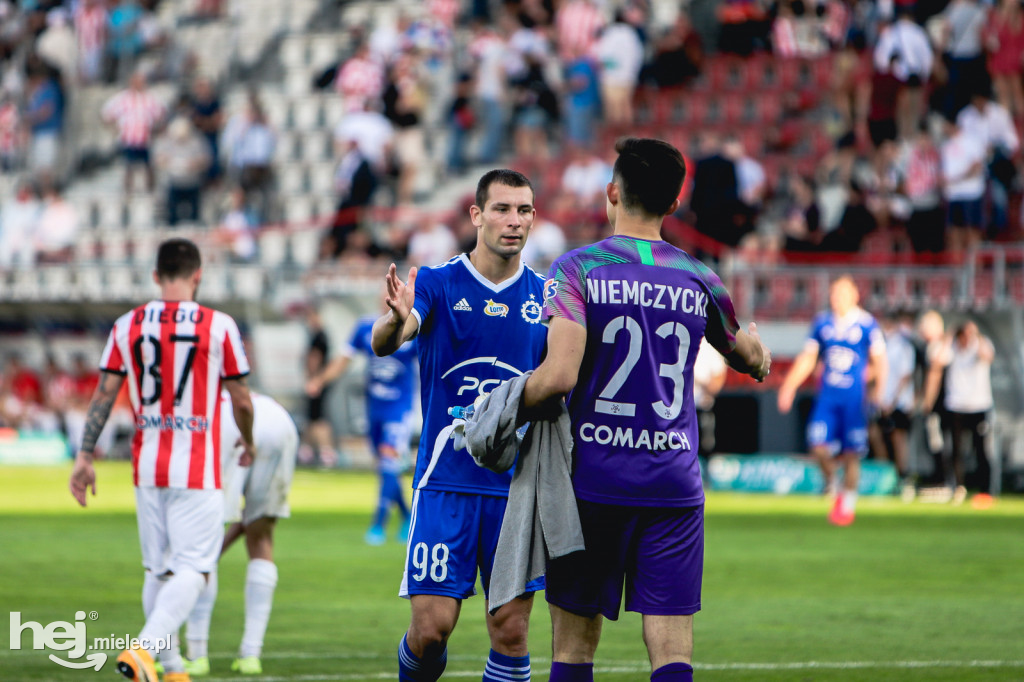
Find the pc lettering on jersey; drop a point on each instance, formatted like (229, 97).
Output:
(647, 295)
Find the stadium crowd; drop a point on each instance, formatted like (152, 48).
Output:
(830, 126)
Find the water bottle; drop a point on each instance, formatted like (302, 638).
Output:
(461, 412)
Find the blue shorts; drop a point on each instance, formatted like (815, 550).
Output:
(839, 425)
(658, 551)
(965, 213)
(393, 433)
(452, 536)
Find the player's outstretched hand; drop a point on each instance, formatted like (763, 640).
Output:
(766, 363)
(401, 295)
(786, 398)
(83, 477)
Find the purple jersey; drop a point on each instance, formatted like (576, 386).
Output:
(645, 306)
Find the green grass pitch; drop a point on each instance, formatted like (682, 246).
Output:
(909, 592)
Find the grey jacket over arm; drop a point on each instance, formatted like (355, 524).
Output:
(541, 520)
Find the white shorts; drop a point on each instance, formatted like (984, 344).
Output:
(264, 485)
(179, 527)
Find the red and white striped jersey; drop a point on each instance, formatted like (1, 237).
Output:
(136, 114)
(578, 24)
(10, 128)
(174, 355)
(91, 27)
(358, 81)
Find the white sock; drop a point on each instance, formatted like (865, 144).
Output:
(173, 604)
(260, 580)
(197, 627)
(849, 501)
(151, 587)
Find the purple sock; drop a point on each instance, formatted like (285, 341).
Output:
(673, 672)
(571, 672)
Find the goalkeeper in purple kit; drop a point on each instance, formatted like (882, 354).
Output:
(626, 317)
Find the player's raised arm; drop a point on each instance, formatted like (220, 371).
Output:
(242, 409)
(398, 325)
(750, 356)
(83, 476)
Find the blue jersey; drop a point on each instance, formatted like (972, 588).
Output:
(390, 379)
(473, 335)
(844, 346)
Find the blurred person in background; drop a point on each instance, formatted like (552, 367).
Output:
(360, 79)
(249, 142)
(584, 179)
(891, 424)
(622, 56)
(963, 177)
(487, 49)
(582, 99)
(91, 30)
(136, 114)
(461, 121)
(904, 50)
(709, 370)
(58, 47)
(208, 118)
(124, 41)
(963, 24)
(372, 132)
(966, 358)
(14, 136)
(920, 171)
(44, 114)
(931, 404)
(715, 196)
(546, 243)
(852, 349)
(751, 183)
(578, 24)
(18, 220)
(318, 440)
(390, 386)
(991, 123)
(431, 242)
(24, 392)
(678, 54)
(405, 100)
(183, 156)
(237, 228)
(57, 229)
(1004, 42)
(57, 388)
(355, 183)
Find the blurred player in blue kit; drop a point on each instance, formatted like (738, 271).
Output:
(852, 349)
(627, 315)
(390, 382)
(477, 322)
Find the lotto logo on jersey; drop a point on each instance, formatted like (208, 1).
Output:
(492, 309)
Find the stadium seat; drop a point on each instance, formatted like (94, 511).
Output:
(215, 283)
(305, 246)
(291, 179)
(272, 248)
(334, 109)
(298, 210)
(324, 49)
(247, 282)
(306, 114)
(120, 283)
(89, 282)
(294, 52)
(26, 285)
(321, 178)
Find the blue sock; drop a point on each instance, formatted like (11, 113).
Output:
(571, 672)
(673, 672)
(502, 668)
(389, 489)
(411, 668)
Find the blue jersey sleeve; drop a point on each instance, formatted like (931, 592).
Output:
(816, 336)
(360, 337)
(428, 291)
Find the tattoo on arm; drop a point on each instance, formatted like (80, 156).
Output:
(99, 408)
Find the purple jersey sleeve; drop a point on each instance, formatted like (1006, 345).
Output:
(722, 325)
(565, 291)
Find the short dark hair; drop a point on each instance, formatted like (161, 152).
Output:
(499, 176)
(649, 173)
(177, 258)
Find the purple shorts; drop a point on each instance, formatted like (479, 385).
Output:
(658, 551)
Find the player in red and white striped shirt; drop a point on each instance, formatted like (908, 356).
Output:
(136, 113)
(91, 29)
(360, 80)
(578, 22)
(176, 356)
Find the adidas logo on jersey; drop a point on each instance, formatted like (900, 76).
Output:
(463, 304)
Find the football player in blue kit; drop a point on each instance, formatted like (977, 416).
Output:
(851, 347)
(477, 322)
(390, 381)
